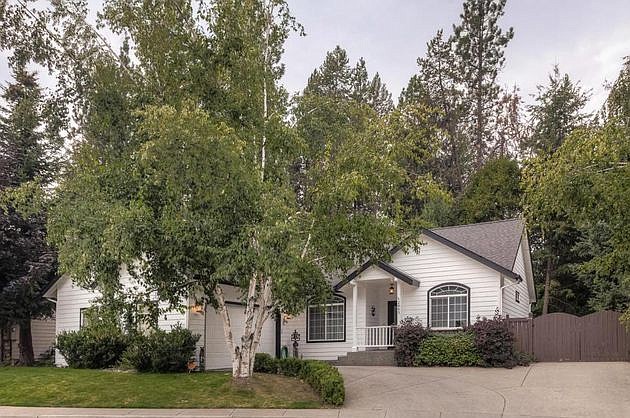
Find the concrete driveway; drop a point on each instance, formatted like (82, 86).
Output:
(543, 389)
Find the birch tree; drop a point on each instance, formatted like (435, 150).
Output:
(187, 172)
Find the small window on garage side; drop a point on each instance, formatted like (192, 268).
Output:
(517, 296)
(83, 317)
(326, 323)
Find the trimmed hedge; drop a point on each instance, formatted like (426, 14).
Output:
(453, 349)
(92, 347)
(407, 339)
(161, 351)
(321, 376)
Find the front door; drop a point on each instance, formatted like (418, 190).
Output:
(392, 312)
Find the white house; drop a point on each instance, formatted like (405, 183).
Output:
(459, 274)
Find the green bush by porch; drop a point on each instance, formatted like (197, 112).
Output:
(487, 343)
(452, 349)
(47, 386)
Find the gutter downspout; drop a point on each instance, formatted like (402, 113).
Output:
(501, 292)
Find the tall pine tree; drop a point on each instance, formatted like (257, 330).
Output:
(480, 44)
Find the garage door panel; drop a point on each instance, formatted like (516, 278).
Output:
(217, 353)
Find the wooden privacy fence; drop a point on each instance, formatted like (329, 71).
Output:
(565, 337)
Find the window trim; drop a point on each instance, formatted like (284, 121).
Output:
(308, 320)
(446, 296)
(82, 312)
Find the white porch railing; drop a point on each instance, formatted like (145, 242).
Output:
(380, 336)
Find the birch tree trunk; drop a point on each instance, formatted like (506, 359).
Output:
(257, 311)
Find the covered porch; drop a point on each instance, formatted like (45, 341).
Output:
(377, 304)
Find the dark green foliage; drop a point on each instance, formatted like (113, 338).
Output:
(448, 349)
(92, 347)
(264, 363)
(407, 339)
(161, 351)
(619, 99)
(558, 110)
(290, 366)
(28, 160)
(480, 45)
(493, 193)
(321, 376)
(494, 342)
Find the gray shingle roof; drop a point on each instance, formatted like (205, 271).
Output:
(496, 241)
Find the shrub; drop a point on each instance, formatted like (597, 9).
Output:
(264, 363)
(407, 339)
(325, 379)
(92, 347)
(321, 376)
(453, 349)
(161, 351)
(290, 366)
(494, 342)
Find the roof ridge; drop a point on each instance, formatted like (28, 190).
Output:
(476, 223)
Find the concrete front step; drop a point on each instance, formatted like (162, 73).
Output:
(367, 358)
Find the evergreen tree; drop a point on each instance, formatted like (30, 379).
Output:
(557, 111)
(493, 193)
(437, 86)
(27, 263)
(334, 77)
(378, 97)
(479, 45)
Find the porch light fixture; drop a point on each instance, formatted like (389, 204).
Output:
(198, 309)
(391, 288)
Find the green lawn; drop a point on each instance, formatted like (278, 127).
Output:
(46, 386)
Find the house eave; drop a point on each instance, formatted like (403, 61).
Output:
(401, 275)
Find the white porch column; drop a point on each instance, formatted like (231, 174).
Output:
(355, 296)
(398, 301)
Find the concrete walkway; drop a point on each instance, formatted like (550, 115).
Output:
(543, 390)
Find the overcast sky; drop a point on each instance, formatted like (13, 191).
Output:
(586, 38)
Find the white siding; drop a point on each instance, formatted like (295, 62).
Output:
(324, 350)
(195, 323)
(510, 306)
(43, 332)
(436, 264)
(70, 300)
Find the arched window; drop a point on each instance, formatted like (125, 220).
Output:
(325, 323)
(449, 306)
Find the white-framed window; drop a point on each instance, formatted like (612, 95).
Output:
(83, 318)
(448, 306)
(326, 323)
(517, 296)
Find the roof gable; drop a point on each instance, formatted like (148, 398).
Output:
(494, 244)
(496, 241)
